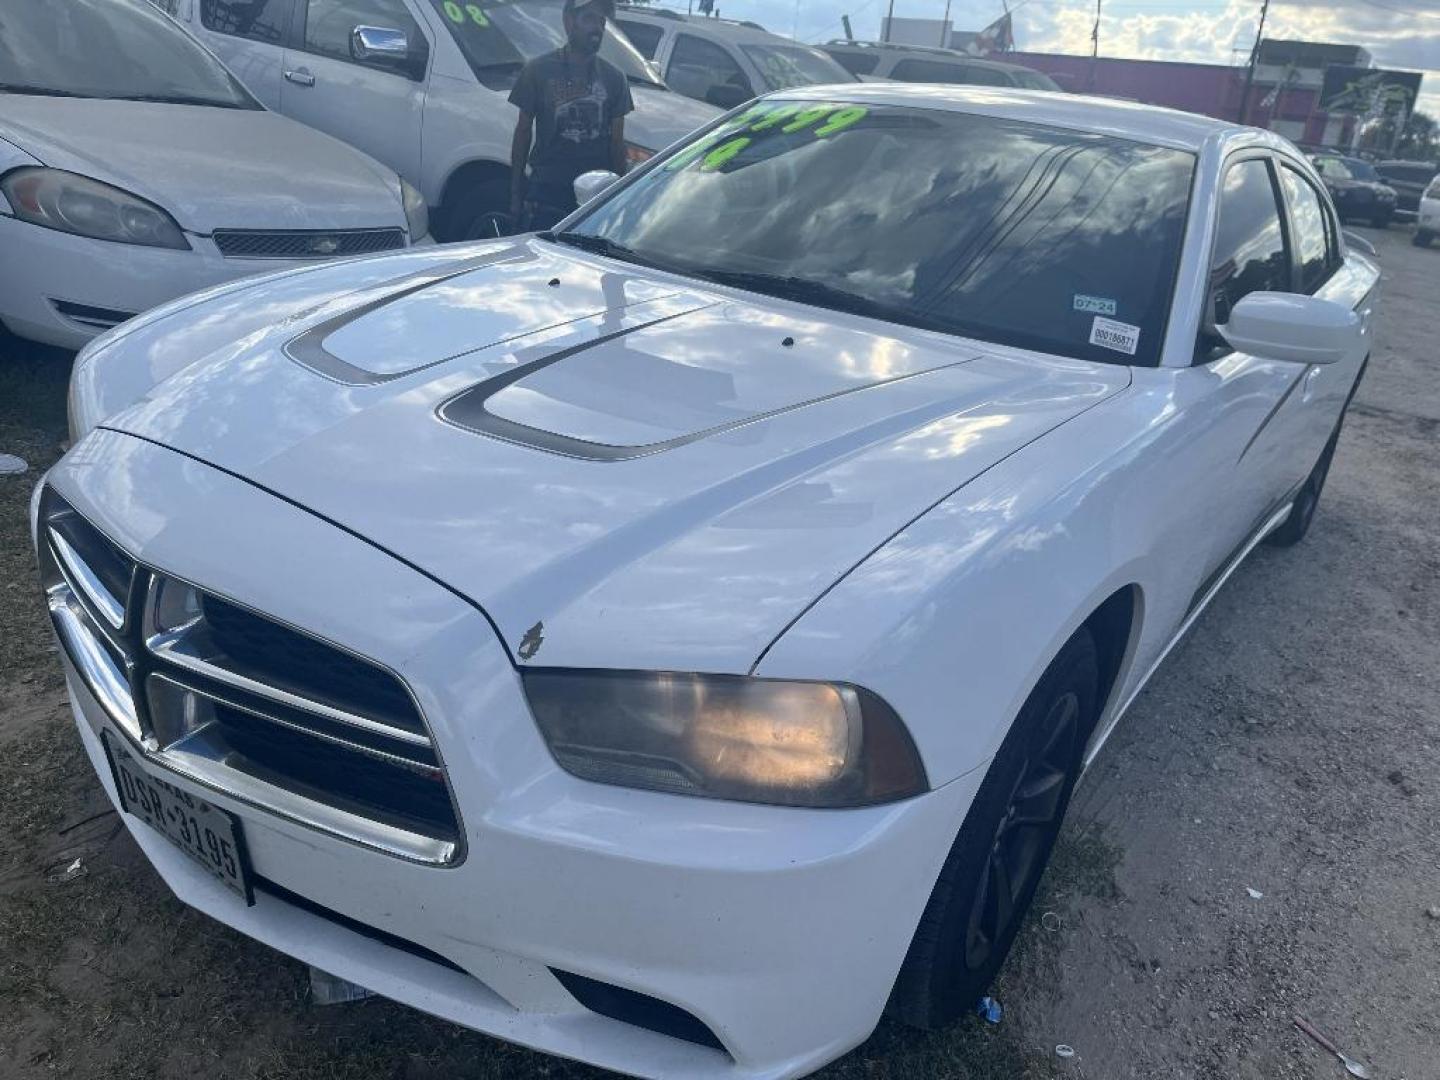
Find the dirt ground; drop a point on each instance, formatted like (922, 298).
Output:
(1291, 746)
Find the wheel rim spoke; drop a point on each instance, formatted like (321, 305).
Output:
(1024, 833)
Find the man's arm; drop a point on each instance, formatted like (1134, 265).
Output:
(519, 155)
(617, 146)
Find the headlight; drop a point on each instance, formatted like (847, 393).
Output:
(635, 156)
(726, 736)
(417, 214)
(76, 204)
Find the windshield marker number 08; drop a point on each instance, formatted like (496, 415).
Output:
(787, 119)
(456, 14)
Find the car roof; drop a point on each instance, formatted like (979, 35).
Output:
(1123, 119)
(728, 29)
(937, 51)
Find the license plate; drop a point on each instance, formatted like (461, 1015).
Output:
(207, 834)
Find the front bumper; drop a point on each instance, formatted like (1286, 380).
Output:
(781, 930)
(64, 290)
(1429, 216)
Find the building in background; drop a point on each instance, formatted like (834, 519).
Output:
(932, 32)
(1314, 93)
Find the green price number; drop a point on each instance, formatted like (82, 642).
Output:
(456, 14)
(721, 146)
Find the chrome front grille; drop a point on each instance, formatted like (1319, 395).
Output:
(305, 243)
(244, 704)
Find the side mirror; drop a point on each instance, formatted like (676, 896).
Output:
(379, 43)
(1301, 329)
(592, 183)
(727, 96)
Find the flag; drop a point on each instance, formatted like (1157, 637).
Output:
(997, 37)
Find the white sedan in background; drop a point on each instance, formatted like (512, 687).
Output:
(671, 641)
(134, 168)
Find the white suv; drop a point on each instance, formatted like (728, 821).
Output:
(923, 64)
(722, 62)
(419, 84)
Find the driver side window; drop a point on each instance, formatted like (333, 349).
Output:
(698, 66)
(1251, 252)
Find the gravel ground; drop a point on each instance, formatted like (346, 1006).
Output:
(1289, 747)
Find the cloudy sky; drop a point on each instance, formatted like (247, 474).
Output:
(1399, 33)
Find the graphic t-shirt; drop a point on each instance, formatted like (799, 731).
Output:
(573, 114)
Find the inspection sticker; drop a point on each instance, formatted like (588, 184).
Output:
(1120, 336)
(1096, 305)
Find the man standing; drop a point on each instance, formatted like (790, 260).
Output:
(572, 119)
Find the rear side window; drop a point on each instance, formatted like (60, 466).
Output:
(1410, 174)
(857, 63)
(643, 36)
(329, 23)
(259, 20)
(697, 65)
(938, 71)
(1316, 248)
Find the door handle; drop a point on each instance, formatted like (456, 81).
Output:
(300, 77)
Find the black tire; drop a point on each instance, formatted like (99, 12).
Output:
(1422, 238)
(1381, 221)
(964, 934)
(1302, 510)
(480, 212)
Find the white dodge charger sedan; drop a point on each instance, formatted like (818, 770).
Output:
(134, 168)
(671, 641)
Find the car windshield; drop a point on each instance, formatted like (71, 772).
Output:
(126, 50)
(784, 66)
(1363, 170)
(1015, 233)
(1035, 80)
(497, 38)
(1333, 169)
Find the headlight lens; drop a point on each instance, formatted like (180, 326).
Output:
(417, 214)
(726, 736)
(76, 204)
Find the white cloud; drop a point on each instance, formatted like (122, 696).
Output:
(1398, 33)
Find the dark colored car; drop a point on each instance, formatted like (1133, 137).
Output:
(1409, 179)
(1357, 190)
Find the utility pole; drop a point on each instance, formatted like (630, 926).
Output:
(1095, 45)
(889, 18)
(945, 27)
(845, 22)
(1254, 56)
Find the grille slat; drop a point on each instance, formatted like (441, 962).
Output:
(305, 243)
(305, 724)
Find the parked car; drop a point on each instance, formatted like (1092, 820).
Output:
(1427, 225)
(693, 621)
(1409, 179)
(1356, 189)
(920, 63)
(722, 62)
(379, 73)
(134, 169)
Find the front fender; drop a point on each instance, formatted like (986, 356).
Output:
(954, 620)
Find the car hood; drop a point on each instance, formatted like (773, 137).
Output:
(629, 468)
(661, 117)
(209, 168)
